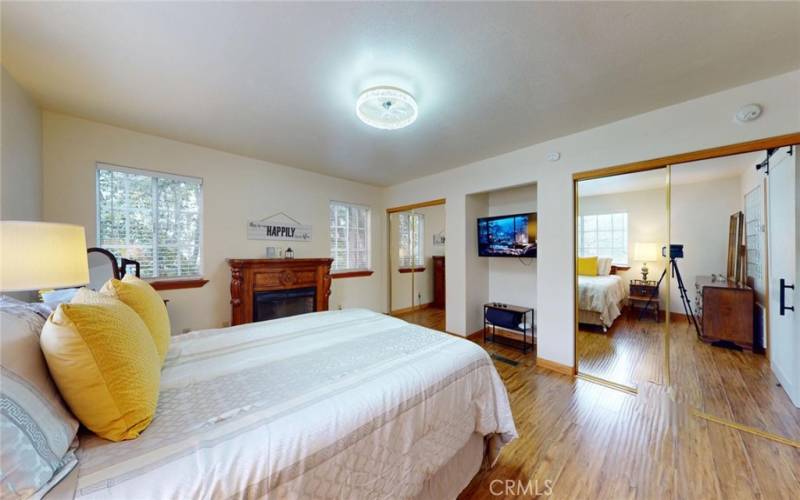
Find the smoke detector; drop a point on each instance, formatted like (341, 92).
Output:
(748, 113)
(553, 156)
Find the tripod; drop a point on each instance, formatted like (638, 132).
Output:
(687, 305)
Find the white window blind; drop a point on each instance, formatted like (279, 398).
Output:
(412, 230)
(350, 241)
(150, 217)
(604, 235)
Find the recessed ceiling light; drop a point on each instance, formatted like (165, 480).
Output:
(387, 108)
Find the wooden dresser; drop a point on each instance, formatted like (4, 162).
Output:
(725, 310)
(438, 282)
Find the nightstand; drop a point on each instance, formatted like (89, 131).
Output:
(644, 295)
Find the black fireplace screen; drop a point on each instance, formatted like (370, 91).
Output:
(279, 304)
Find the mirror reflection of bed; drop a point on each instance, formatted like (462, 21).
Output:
(621, 226)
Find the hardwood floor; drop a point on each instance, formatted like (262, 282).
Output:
(734, 385)
(429, 317)
(582, 440)
(590, 441)
(632, 352)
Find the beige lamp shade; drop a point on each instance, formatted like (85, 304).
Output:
(40, 255)
(645, 252)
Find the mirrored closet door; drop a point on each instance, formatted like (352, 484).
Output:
(733, 234)
(621, 280)
(417, 268)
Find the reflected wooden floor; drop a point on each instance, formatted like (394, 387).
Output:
(584, 440)
(734, 385)
(632, 352)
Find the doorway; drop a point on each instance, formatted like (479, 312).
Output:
(416, 259)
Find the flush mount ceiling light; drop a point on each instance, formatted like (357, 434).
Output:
(387, 108)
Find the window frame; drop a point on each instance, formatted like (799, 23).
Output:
(351, 272)
(164, 282)
(581, 233)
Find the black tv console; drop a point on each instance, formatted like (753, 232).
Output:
(508, 317)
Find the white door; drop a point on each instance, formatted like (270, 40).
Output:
(784, 342)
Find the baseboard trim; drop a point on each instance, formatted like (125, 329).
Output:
(746, 428)
(555, 366)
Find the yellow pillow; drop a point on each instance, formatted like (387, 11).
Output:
(143, 299)
(104, 363)
(587, 266)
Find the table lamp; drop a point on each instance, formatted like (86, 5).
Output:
(40, 255)
(645, 252)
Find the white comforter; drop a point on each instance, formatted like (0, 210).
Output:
(346, 404)
(601, 294)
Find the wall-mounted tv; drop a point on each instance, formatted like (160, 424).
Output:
(507, 236)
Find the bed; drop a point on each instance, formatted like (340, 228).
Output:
(600, 299)
(346, 404)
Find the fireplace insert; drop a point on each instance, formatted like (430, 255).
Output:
(283, 303)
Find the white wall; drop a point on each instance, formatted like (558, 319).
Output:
(697, 124)
(475, 291)
(423, 281)
(647, 222)
(21, 157)
(512, 281)
(235, 189)
(700, 216)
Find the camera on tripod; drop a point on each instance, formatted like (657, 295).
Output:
(675, 251)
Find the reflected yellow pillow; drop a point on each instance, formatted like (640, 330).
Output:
(587, 266)
(104, 363)
(147, 303)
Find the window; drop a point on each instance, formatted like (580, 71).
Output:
(604, 235)
(412, 229)
(349, 237)
(153, 218)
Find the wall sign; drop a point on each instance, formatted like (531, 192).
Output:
(269, 228)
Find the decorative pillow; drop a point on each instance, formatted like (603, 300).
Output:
(587, 266)
(143, 299)
(604, 266)
(103, 360)
(37, 432)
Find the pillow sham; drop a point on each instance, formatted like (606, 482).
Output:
(37, 432)
(148, 304)
(587, 266)
(105, 363)
(604, 266)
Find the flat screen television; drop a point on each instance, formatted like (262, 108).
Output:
(507, 236)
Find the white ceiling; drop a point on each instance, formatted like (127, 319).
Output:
(278, 81)
(684, 173)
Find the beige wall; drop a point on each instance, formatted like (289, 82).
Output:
(512, 281)
(700, 215)
(21, 158)
(235, 189)
(697, 124)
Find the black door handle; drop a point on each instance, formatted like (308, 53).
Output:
(784, 307)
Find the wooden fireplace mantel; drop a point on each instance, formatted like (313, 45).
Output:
(249, 276)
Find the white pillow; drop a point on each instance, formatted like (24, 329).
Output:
(37, 432)
(604, 266)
